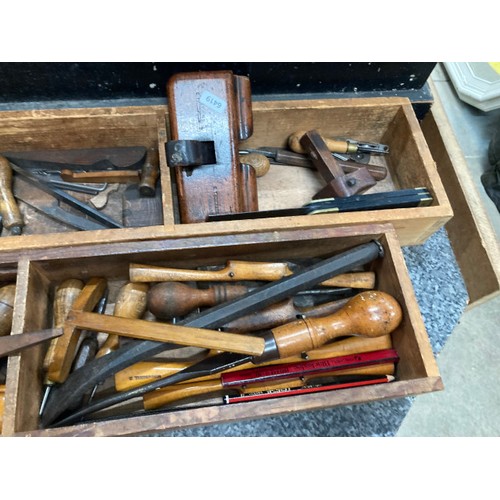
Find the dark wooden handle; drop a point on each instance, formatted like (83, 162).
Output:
(170, 300)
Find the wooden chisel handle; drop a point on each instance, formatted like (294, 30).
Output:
(236, 270)
(67, 343)
(65, 295)
(7, 296)
(130, 303)
(147, 371)
(9, 211)
(111, 176)
(334, 145)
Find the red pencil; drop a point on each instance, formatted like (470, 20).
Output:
(341, 382)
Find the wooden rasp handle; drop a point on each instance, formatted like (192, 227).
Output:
(11, 215)
(65, 295)
(7, 296)
(130, 303)
(147, 371)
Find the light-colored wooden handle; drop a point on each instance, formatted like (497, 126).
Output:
(163, 332)
(363, 280)
(11, 215)
(260, 163)
(235, 270)
(130, 303)
(111, 176)
(7, 296)
(179, 392)
(65, 295)
(334, 145)
(371, 314)
(147, 371)
(67, 343)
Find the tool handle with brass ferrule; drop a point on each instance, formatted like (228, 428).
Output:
(338, 145)
(66, 345)
(11, 215)
(65, 295)
(7, 296)
(130, 303)
(370, 314)
(147, 371)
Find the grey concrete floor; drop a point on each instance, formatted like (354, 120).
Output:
(470, 360)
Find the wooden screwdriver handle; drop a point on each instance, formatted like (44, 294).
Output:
(171, 299)
(65, 295)
(334, 145)
(11, 215)
(130, 303)
(7, 296)
(67, 343)
(370, 314)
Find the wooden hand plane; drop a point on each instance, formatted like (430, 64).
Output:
(209, 113)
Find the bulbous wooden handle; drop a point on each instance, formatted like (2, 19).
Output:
(7, 295)
(130, 303)
(259, 162)
(371, 314)
(170, 299)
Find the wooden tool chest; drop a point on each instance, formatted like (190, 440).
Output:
(46, 254)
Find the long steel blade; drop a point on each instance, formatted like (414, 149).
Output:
(14, 343)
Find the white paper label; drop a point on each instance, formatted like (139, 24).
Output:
(213, 102)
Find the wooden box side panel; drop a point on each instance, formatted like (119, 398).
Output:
(24, 375)
(410, 339)
(471, 235)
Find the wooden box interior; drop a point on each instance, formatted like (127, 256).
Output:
(416, 372)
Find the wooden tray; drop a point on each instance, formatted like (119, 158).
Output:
(387, 120)
(38, 275)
